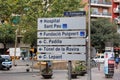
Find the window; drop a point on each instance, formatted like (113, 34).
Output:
(105, 11)
(94, 1)
(95, 10)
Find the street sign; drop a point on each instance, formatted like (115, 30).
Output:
(62, 23)
(109, 49)
(72, 41)
(81, 57)
(62, 34)
(61, 49)
(74, 13)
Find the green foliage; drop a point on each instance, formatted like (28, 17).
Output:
(102, 31)
(52, 8)
(79, 67)
(30, 36)
(30, 10)
(7, 33)
(15, 20)
(47, 71)
(57, 7)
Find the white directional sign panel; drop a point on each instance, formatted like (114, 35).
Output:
(62, 23)
(72, 41)
(81, 57)
(62, 34)
(62, 49)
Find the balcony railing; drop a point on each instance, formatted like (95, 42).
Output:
(98, 2)
(116, 10)
(117, 20)
(116, 1)
(101, 4)
(101, 14)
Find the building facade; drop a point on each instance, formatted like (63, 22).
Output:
(116, 13)
(116, 9)
(105, 9)
(101, 8)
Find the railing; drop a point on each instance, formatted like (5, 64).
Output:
(104, 4)
(99, 13)
(117, 20)
(116, 0)
(116, 10)
(98, 2)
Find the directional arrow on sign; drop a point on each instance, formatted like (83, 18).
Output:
(40, 49)
(40, 33)
(40, 56)
(40, 41)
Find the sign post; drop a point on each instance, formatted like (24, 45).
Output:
(69, 70)
(69, 14)
(89, 41)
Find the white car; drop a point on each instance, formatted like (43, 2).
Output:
(5, 62)
(99, 58)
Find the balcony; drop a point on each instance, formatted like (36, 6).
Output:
(116, 10)
(117, 20)
(101, 14)
(103, 4)
(116, 1)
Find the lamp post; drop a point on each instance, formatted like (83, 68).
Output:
(15, 47)
(15, 21)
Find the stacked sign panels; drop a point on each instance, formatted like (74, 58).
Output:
(59, 36)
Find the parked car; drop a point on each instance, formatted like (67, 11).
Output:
(5, 62)
(99, 58)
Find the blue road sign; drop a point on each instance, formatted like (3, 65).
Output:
(74, 13)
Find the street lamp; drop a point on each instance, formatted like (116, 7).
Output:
(15, 20)
(15, 47)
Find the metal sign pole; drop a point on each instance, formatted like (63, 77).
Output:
(69, 70)
(32, 62)
(39, 67)
(89, 44)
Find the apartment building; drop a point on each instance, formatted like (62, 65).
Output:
(104, 8)
(100, 8)
(116, 11)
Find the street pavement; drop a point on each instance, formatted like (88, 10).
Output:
(19, 73)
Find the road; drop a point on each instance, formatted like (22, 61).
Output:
(19, 73)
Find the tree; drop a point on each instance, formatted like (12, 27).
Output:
(30, 10)
(8, 8)
(7, 34)
(47, 8)
(102, 30)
